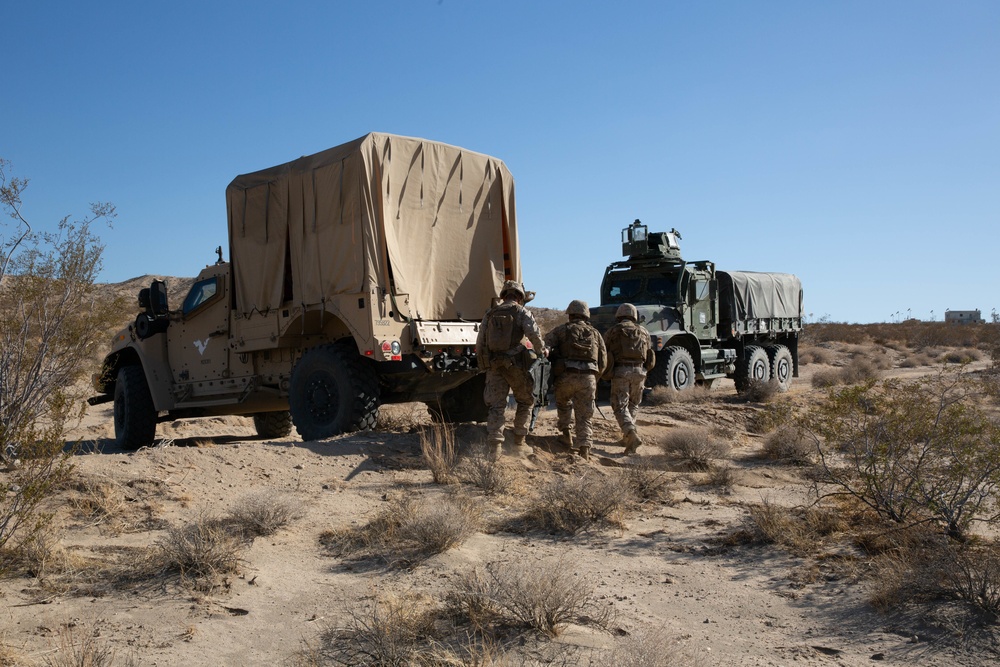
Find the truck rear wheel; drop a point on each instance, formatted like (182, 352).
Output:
(135, 415)
(273, 424)
(464, 403)
(782, 365)
(753, 367)
(333, 391)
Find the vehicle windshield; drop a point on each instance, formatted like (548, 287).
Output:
(662, 289)
(621, 290)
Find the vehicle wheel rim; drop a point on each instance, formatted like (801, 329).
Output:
(781, 371)
(759, 371)
(323, 398)
(681, 376)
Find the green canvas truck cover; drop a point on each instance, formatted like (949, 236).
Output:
(748, 295)
(380, 213)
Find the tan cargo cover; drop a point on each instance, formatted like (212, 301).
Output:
(431, 219)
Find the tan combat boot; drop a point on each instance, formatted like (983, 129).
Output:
(521, 447)
(585, 452)
(494, 449)
(632, 442)
(566, 439)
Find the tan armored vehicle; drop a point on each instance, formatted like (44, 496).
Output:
(358, 276)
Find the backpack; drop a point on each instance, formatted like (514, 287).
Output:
(502, 332)
(580, 343)
(632, 343)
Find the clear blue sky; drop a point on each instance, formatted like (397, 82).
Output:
(856, 144)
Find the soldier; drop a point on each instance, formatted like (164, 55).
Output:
(579, 359)
(630, 356)
(506, 360)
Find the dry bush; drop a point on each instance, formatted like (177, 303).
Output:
(722, 477)
(972, 572)
(816, 355)
(574, 504)
(647, 649)
(664, 395)
(916, 360)
(966, 356)
(770, 416)
(646, 482)
(542, 597)
(796, 529)
(789, 444)
(400, 417)
(393, 631)
(489, 473)
(74, 649)
(408, 530)
(856, 371)
(695, 447)
(203, 550)
(260, 513)
(437, 446)
(761, 392)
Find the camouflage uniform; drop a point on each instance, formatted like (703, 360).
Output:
(627, 373)
(506, 371)
(576, 380)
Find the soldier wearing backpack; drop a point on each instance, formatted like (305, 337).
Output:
(630, 355)
(506, 359)
(578, 357)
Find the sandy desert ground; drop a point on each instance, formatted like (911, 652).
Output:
(668, 573)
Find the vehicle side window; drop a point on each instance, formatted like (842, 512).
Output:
(201, 292)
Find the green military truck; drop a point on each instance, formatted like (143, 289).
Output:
(705, 324)
(358, 276)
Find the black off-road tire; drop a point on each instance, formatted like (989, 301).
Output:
(754, 366)
(782, 365)
(678, 369)
(333, 391)
(464, 403)
(135, 416)
(273, 424)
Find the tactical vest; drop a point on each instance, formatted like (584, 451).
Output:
(632, 343)
(580, 343)
(502, 331)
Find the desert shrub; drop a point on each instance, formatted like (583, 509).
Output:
(646, 482)
(393, 631)
(400, 418)
(816, 355)
(664, 395)
(261, 513)
(695, 447)
(757, 391)
(721, 477)
(408, 530)
(797, 529)
(202, 550)
(856, 371)
(916, 360)
(480, 468)
(972, 572)
(770, 416)
(86, 649)
(439, 451)
(788, 444)
(911, 450)
(647, 649)
(543, 597)
(575, 504)
(966, 356)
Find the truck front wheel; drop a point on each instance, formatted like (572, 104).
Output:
(273, 424)
(135, 415)
(781, 365)
(753, 367)
(333, 390)
(674, 368)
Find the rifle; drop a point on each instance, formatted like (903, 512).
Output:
(541, 379)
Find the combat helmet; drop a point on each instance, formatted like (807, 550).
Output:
(577, 307)
(627, 311)
(512, 286)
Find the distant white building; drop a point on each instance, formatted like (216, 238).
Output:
(964, 317)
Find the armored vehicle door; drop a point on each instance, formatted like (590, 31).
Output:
(198, 341)
(702, 305)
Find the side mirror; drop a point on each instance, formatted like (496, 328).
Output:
(158, 298)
